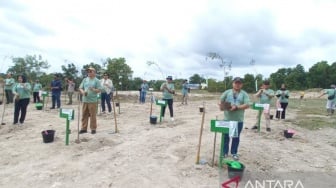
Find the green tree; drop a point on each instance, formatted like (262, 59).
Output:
(196, 79)
(120, 73)
(318, 75)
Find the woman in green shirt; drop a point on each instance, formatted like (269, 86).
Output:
(282, 94)
(21, 91)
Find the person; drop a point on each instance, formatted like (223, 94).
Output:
(56, 88)
(265, 95)
(234, 102)
(331, 100)
(9, 83)
(107, 86)
(21, 90)
(185, 92)
(282, 94)
(71, 89)
(168, 91)
(144, 88)
(89, 88)
(36, 91)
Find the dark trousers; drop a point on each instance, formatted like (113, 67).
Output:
(106, 98)
(143, 96)
(283, 112)
(170, 106)
(36, 97)
(235, 141)
(56, 100)
(9, 96)
(20, 106)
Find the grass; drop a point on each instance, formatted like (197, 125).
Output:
(311, 114)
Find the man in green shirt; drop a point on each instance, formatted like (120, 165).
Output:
(168, 91)
(89, 88)
(331, 100)
(234, 102)
(265, 94)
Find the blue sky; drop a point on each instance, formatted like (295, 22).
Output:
(176, 35)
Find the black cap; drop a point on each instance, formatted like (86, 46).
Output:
(238, 79)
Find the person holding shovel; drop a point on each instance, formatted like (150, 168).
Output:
(106, 93)
(168, 91)
(56, 88)
(265, 94)
(184, 91)
(21, 91)
(234, 102)
(89, 88)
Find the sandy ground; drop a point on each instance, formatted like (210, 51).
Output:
(161, 155)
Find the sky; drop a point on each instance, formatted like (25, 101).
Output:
(250, 36)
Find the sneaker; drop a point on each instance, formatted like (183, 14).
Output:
(255, 127)
(82, 131)
(268, 129)
(235, 157)
(225, 155)
(93, 131)
(172, 119)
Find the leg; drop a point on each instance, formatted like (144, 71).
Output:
(16, 112)
(53, 100)
(108, 102)
(236, 140)
(283, 113)
(226, 144)
(170, 106)
(7, 96)
(10, 94)
(58, 100)
(277, 115)
(38, 97)
(163, 109)
(102, 103)
(85, 116)
(24, 104)
(93, 117)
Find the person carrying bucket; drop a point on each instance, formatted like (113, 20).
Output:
(234, 102)
(265, 94)
(168, 91)
(282, 94)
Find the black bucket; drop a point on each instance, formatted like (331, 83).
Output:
(233, 172)
(48, 136)
(287, 134)
(271, 116)
(153, 119)
(201, 109)
(117, 104)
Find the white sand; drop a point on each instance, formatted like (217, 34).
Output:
(145, 155)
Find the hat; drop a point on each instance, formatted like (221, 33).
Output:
(169, 78)
(266, 82)
(238, 79)
(91, 68)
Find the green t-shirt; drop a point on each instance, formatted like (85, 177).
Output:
(87, 83)
(23, 92)
(264, 99)
(282, 95)
(238, 99)
(330, 92)
(9, 83)
(37, 87)
(165, 93)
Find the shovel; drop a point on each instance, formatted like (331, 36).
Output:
(77, 141)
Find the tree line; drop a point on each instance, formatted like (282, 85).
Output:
(320, 75)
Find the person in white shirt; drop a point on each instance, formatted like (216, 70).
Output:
(106, 93)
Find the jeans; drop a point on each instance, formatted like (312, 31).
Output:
(36, 96)
(20, 105)
(56, 99)
(9, 96)
(106, 98)
(235, 141)
(143, 96)
(170, 106)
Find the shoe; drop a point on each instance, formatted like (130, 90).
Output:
(15, 123)
(82, 131)
(255, 127)
(268, 129)
(172, 119)
(225, 155)
(93, 131)
(235, 157)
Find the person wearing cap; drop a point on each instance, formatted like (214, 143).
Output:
(184, 91)
(143, 92)
(89, 88)
(71, 89)
(265, 95)
(107, 86)
(56, 88)
(9, 83)
(331, 100)
(168, 91)
(36, 91)
(282, 94)
(234, 102)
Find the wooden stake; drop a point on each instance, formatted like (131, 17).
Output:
(200, 138)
